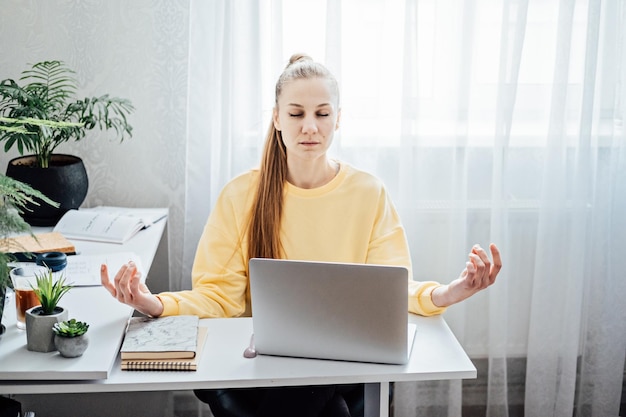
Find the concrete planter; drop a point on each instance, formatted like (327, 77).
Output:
(71, 347)
(39, 334)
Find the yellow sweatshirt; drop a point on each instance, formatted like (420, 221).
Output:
(350, 219)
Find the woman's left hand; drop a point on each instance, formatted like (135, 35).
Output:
(479, 273)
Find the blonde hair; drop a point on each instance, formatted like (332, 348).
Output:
(265, 218)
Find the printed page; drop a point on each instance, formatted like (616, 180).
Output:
(147, 216)
(98, 226)
(84, 270)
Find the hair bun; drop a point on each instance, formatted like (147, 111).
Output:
(297, 58)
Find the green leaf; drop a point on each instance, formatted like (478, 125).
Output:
(48, 95)
(49, 290)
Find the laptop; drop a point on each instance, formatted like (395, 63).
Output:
(322, 310)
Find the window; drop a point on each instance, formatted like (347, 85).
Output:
(432, 72)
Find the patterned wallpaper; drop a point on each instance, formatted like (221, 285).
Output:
(134, 49)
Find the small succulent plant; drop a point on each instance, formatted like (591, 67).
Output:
(70, 328)
(49, 291)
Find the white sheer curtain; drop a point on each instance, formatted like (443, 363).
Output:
(489, 121)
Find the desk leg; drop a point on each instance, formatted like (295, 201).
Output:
(377, 399)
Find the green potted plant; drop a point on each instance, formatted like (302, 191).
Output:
(14, 196)
(70, 338)
(39, 320)
(47, 93)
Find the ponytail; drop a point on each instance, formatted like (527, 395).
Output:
(265, 217)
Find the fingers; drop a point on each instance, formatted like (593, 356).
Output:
(485, 274)
(480, 272)
(480, 253)
(487, 269)
(497, 260)
(104, 279)
(127, 282)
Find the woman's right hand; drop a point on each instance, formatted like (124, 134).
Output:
(128, 289)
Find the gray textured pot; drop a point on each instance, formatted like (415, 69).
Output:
(39, 334)
(71, 347)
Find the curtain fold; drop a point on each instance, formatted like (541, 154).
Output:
(488, 122)
(224, 102)
(604, 321)
(512, 33)
(553, 344)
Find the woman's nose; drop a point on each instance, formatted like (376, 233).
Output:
(309, 125)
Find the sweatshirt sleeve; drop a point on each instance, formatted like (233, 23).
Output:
(420, 301)
(219, 274)
(389, 246)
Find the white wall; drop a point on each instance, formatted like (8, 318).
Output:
(136, 50)
(133, 49)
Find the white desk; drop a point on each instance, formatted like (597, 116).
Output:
(436, 353)
(106, 316)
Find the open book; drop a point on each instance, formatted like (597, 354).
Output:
(107, 224)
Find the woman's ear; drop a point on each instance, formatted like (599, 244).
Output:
(338, 118)
(275, 119)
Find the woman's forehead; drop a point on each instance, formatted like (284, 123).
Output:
(307, 90)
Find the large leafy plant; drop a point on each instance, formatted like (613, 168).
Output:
(48, 93)
(14, 195)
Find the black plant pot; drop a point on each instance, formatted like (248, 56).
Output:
(64, 181)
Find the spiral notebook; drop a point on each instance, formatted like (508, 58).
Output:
(168, 364)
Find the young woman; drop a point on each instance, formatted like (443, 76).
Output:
(300, 204)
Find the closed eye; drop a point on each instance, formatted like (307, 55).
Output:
(295, 114)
